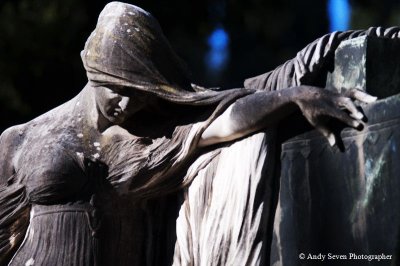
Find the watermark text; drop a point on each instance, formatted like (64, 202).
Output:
(348, 256)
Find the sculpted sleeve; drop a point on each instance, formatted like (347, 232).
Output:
(311, 64)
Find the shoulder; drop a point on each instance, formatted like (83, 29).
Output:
(10, 142)
(12, 136)
(116, 133)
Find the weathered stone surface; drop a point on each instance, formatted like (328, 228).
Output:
(344, 202)
(368, 63)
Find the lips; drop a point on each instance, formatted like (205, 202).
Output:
(117, 112)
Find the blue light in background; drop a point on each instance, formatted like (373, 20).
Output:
(218, 55)
(339, 14)
(218, 39)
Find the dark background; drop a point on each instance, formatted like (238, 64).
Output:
(40, 42)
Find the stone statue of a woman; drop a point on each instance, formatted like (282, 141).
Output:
(76, 181)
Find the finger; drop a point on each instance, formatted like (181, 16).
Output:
(326, 133)
(349, 105)
(361, 96)
(345, 118)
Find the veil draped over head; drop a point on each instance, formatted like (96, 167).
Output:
(128, 48)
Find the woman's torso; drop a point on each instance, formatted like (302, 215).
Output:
(77, 216)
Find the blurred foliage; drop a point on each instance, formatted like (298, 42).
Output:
(40, 41)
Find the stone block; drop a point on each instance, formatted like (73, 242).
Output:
(368, 63)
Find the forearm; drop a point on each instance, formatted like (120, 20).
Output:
(250, 114)
(260, 110)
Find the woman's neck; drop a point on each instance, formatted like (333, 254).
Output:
(87, 105)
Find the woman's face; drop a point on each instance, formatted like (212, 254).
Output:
(117, 104)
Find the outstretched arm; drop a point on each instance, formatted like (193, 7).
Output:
(262, 109)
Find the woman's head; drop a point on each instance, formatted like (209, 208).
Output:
(128, 49)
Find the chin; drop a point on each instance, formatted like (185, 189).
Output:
(116, 120)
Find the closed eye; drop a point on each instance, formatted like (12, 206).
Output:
(130, 92)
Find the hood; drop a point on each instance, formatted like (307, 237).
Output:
(128, 48)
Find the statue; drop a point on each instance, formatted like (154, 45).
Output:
(78, 182)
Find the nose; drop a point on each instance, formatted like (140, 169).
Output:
(123, 103)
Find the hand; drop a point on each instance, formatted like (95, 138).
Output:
(318, 104)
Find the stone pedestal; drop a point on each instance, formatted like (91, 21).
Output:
(346, 203)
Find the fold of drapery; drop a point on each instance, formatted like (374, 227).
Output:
(220, 222)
